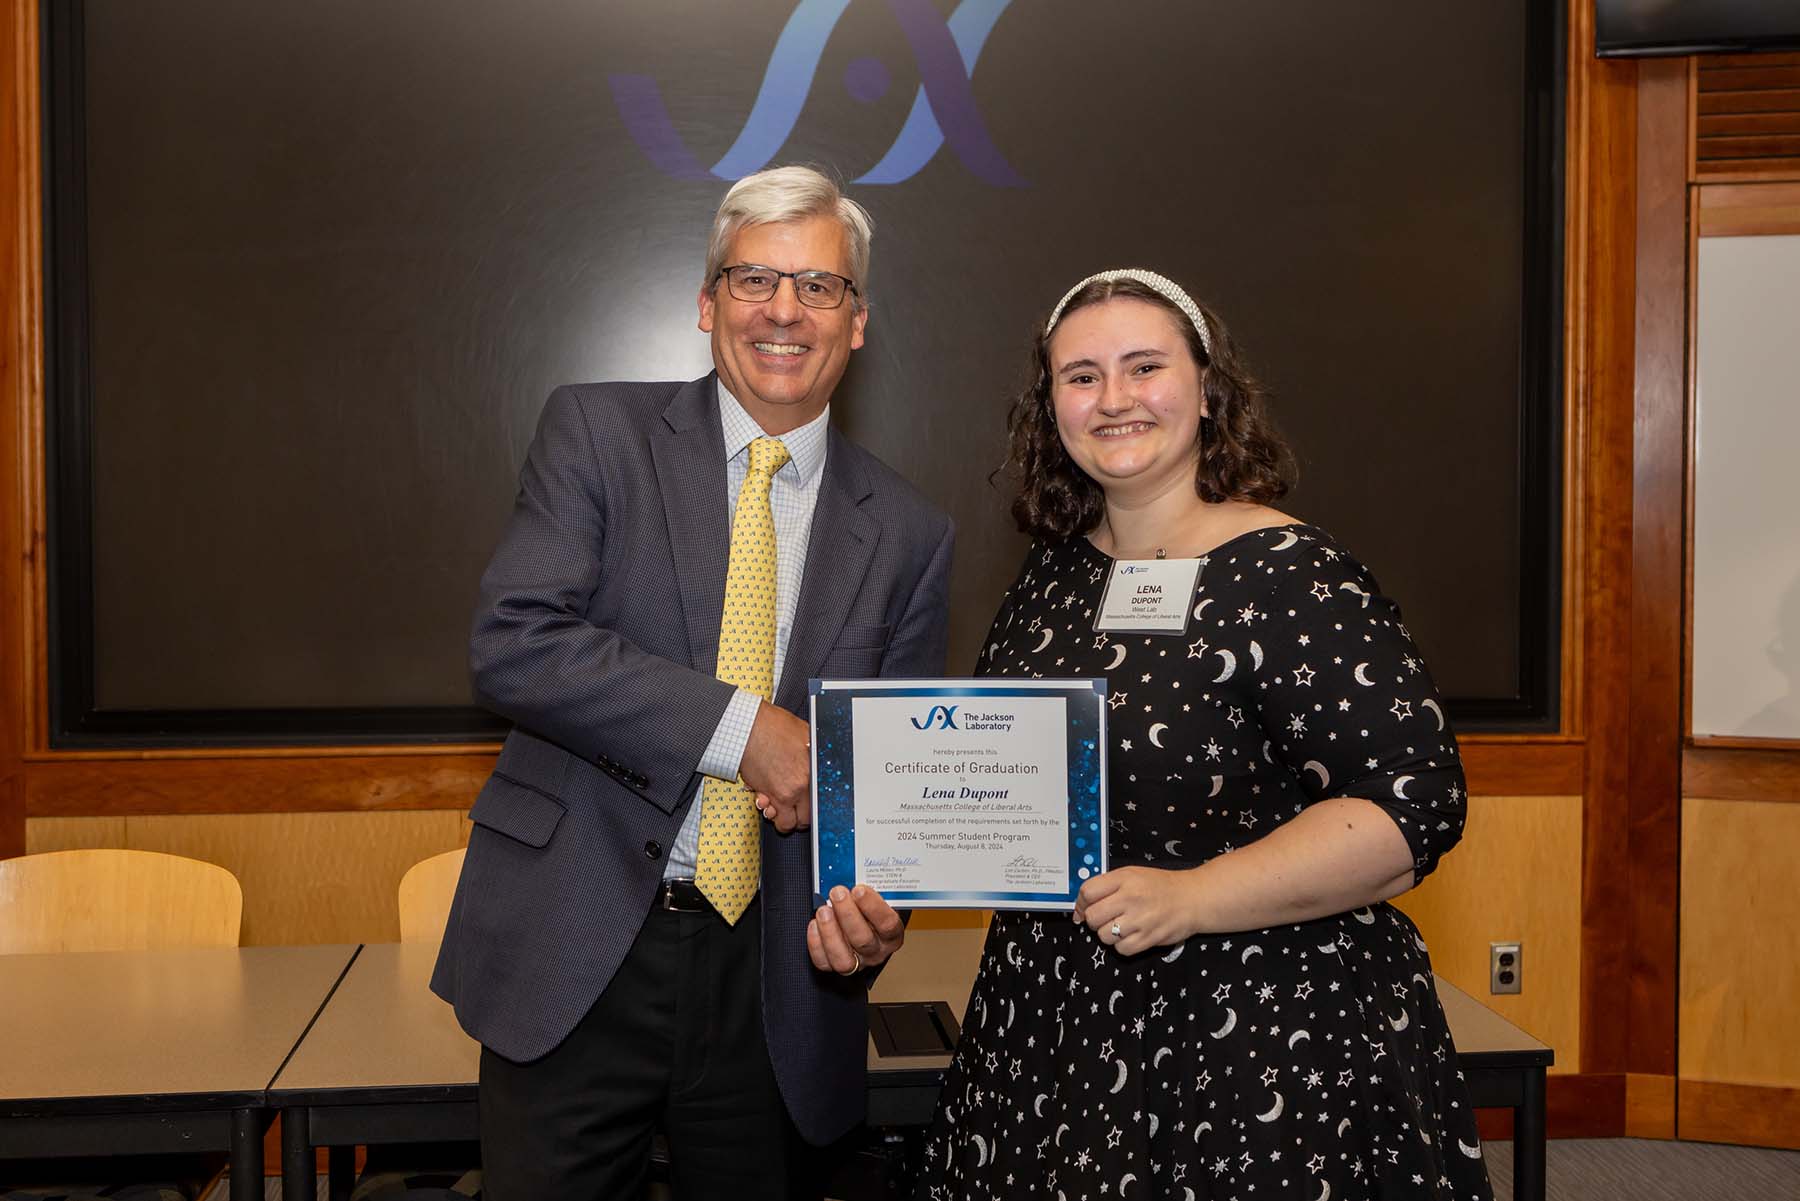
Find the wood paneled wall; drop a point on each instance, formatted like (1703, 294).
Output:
(1738, 1062)
(21, 404)
(1633, 162)
(1747, 116)
(1627, 906)
(1575, 841)
(1516, 877)
(1658, 542)
(1740, 942)
(1740, 972)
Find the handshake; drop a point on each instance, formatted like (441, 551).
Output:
(777, 765)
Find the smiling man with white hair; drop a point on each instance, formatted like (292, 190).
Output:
(635, 941)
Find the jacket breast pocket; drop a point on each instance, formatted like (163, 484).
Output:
(519, 811)
(856, 653)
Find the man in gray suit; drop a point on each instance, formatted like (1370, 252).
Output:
(614, 994)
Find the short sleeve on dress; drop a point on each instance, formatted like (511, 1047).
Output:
(1347, 702)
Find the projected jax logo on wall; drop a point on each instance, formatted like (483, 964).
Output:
(943, 110)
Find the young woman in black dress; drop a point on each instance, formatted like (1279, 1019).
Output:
(1235, 1011)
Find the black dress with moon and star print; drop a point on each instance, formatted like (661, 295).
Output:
(1308, 1061)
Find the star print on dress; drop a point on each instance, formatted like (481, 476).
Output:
(1305, 1061)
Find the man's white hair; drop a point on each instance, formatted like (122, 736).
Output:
(791, 194)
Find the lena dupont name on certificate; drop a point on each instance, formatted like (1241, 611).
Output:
(962, 792)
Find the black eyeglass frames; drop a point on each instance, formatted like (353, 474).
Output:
(754, 284)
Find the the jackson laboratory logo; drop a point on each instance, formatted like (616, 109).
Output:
(943, 110)
(943, 715)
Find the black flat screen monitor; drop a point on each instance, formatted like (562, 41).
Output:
(1627, 28)
(316, 264)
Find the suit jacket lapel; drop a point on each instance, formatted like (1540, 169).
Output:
(837, 558)
(689, 453)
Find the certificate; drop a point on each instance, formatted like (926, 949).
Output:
(981, 793)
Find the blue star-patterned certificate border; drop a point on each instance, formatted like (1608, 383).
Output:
(834, 802)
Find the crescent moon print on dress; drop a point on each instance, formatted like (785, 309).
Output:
(1300, 1061)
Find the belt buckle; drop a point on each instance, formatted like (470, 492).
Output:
(672, 898)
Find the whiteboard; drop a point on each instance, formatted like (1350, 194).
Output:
(1746, 639)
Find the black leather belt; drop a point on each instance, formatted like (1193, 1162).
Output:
(682, 896)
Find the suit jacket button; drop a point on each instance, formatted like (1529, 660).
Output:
(653, 850)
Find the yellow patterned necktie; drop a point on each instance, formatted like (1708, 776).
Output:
(729, 863)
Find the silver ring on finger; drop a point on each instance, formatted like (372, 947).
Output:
(1115, 930)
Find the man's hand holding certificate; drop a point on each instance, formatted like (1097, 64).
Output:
(960, 793)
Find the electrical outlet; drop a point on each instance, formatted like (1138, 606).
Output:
(1504, 962)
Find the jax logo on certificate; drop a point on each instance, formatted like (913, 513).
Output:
(942, 717)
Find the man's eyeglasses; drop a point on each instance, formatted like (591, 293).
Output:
(816, 289)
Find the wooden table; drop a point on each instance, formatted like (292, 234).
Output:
(386, 1062)
(934, 965)
(140, 1052)
(1505, 1069)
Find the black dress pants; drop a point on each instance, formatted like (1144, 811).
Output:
(675, 1042)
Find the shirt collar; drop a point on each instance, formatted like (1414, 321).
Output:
(805, 446)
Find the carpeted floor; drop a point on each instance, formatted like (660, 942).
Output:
(1611, 1169)
(1635, 1169)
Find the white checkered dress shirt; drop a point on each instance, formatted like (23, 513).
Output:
(792, 497)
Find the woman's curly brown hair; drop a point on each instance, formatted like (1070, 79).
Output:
(1242, 456)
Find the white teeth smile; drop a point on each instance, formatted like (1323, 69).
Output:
(787, 348)
(1120, 431)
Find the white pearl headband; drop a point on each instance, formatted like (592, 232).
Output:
(1162, 285)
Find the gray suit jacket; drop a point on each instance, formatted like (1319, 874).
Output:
(597, 635)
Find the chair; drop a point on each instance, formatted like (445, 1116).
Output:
(425, 892)
(115, 900)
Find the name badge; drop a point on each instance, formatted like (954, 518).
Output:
(1148, 596)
